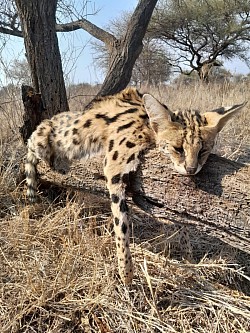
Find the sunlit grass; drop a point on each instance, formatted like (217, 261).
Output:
(58, 270)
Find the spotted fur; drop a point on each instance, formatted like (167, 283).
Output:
(121, 127)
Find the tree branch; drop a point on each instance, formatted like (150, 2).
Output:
(16, 33)
(91, 28)
(216, 200)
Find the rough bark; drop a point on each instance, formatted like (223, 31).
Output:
(33, 112)
(38, 27)
(216, 201)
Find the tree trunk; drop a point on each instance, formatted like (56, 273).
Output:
(125, 51)
(205, 69)
(33, 112)
(215, 201)
(38, 23)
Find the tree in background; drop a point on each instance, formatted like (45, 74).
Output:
(19, 72)
(36, 21)
(152, 67)
(200, 32)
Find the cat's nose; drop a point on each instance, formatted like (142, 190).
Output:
(191, 170)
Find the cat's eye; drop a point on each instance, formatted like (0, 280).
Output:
(179, 150)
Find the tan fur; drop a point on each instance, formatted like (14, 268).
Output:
(120, 127)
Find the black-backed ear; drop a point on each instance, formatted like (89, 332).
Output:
(157, 112)
(219, 117)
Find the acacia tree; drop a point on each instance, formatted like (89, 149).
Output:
(200, 33)
(36, 21)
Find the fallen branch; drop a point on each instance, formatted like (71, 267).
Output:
(216, 201)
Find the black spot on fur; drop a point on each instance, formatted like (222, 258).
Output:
(124, 228)
(61, 122)
(76, 121)
(133, 103)
(123, 206)
(109, 120)
(40, 131)
(140, 136)
(130, 144)
(40, 145)
(131, 158)
(122, 140)
(120, 128)
(111, 145)
(143, 116)
(59, 143)
(66, 133)
(117, 222)
(129, 111)
(76, 141)
(87, 123)
(116, 179)
(115, 155)
(114, 198)
(104, 117)
(105, 161)
(125, 178)
(75, 131)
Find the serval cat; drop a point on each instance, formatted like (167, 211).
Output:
(121, 127)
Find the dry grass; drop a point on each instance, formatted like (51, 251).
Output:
(58, 270)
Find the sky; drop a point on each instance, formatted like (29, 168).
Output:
(77, 54)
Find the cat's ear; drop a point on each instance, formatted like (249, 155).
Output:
(219, 117)
(159, 115)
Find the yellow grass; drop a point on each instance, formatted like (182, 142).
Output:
(58, 270)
